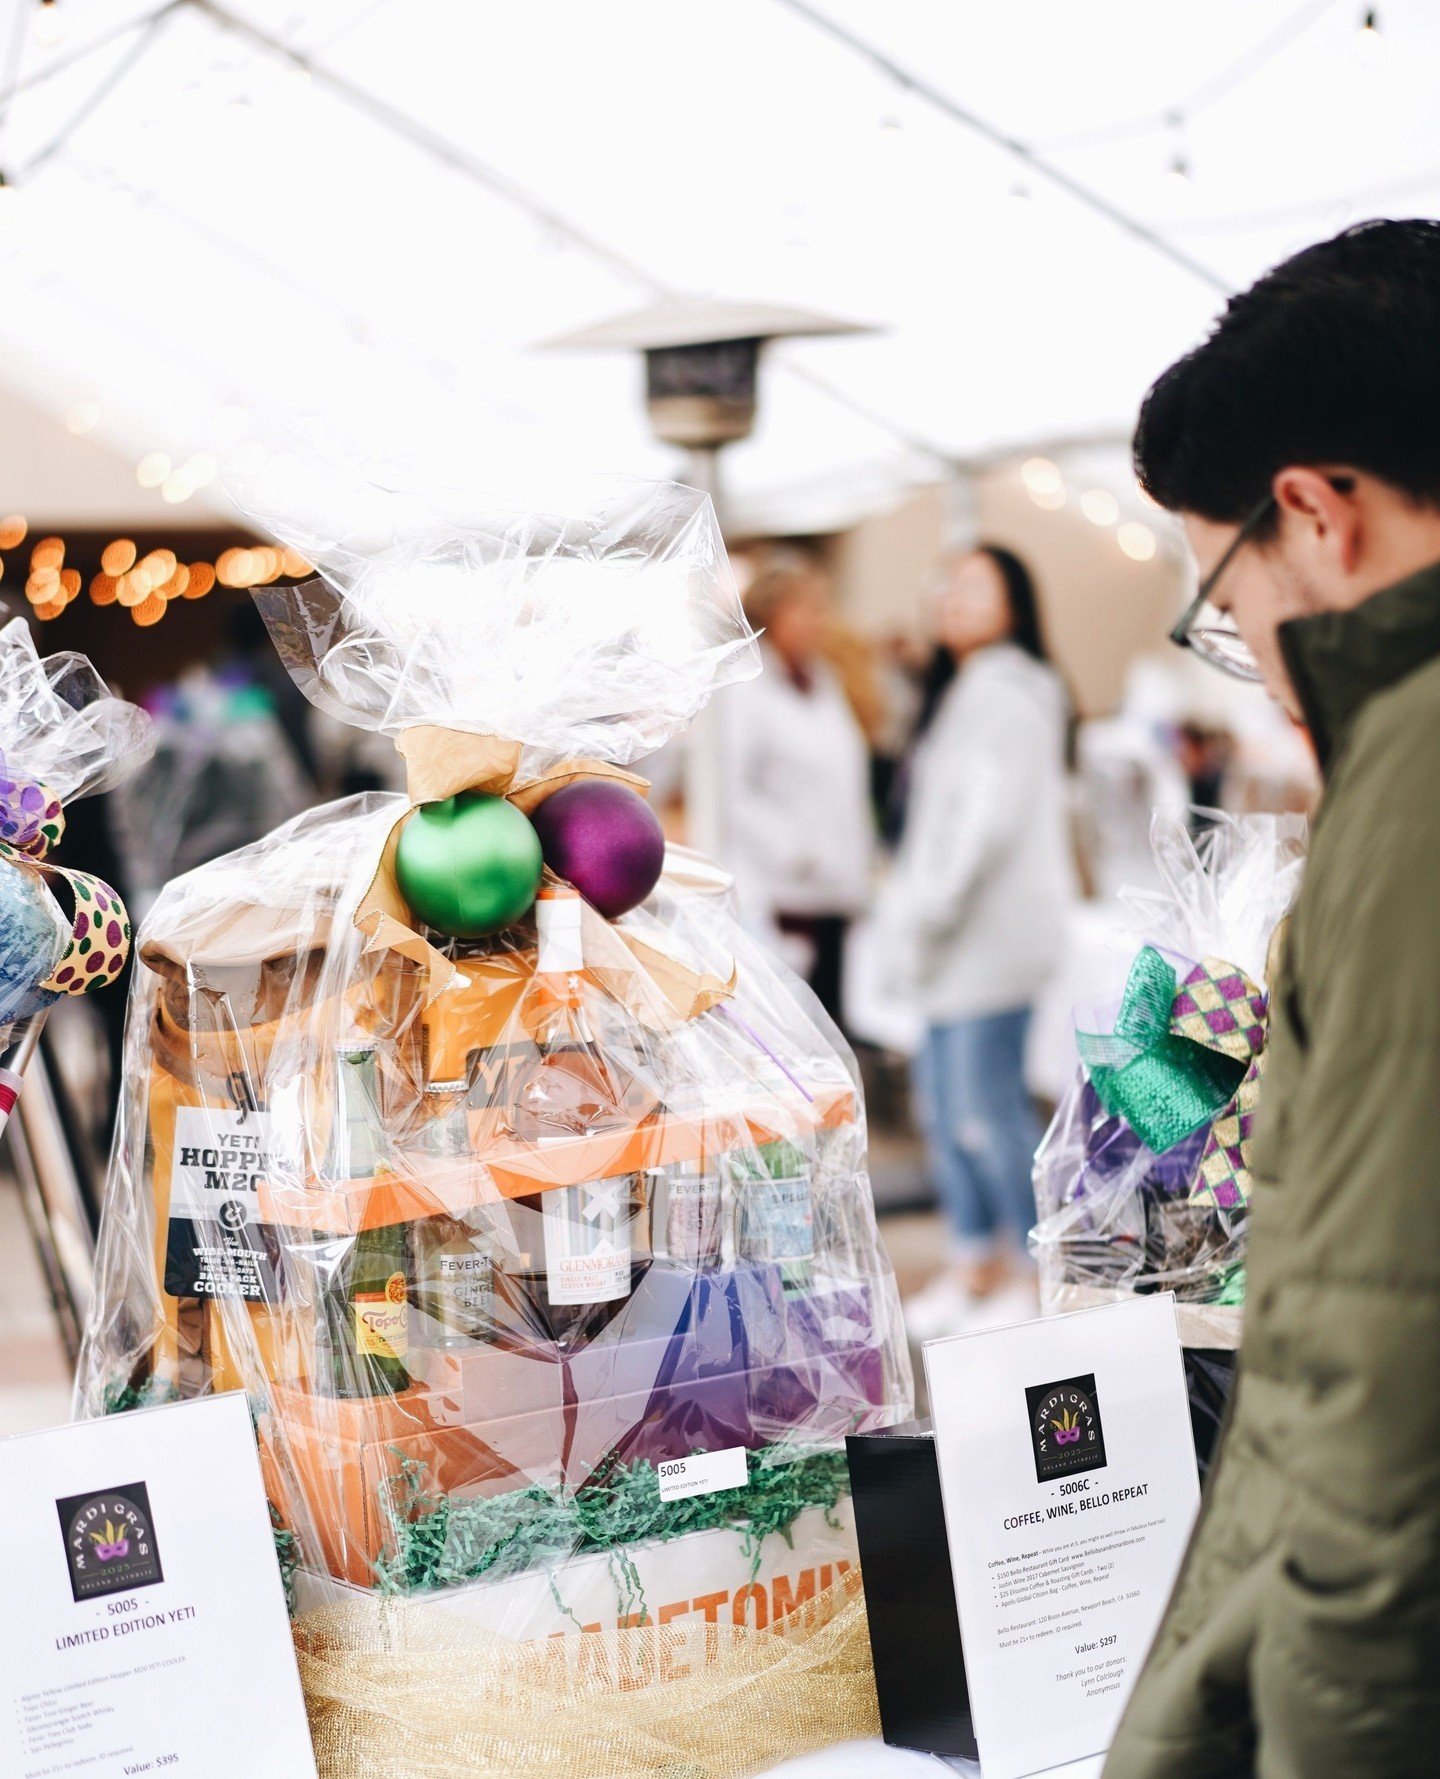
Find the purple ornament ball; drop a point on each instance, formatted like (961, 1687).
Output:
(606, 840)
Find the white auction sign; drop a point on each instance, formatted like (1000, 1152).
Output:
(1067, 1467)
(147, 1630)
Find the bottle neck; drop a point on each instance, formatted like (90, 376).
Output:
(560, 951)
(559, 955)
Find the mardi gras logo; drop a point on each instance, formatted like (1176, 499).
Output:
(1065, 1428)
(110, 1541)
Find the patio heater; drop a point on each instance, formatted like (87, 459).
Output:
(702, 364)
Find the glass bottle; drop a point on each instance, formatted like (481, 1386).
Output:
(689, 1213)
(589, 1245)
(454, 1290)
(775, 1207)
(322, 1357)
(446, 1129)
(369, 1310)
(574, 1085)
(357, 1142)
(583, 1242)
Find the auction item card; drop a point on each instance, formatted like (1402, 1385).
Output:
(144, 1628)
(1067, 1467)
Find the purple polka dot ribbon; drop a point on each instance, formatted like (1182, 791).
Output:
(31, 819)
(99, 926)
(31, 822)
(99, 936)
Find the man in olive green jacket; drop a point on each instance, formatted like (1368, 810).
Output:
(1301, 444)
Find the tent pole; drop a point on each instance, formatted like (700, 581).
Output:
(703, 770)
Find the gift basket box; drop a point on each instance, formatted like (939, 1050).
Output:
(468, 1134)
(1142, 1182)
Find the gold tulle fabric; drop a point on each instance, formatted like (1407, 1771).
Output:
(405, 1689)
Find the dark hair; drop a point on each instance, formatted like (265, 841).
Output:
(1333, 357)
(1025, 630)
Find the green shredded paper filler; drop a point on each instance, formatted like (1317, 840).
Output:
(439, 1541)
(148, 1393)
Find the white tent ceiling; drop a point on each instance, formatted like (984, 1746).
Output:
(204, 241)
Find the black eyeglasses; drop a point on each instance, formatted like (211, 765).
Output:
(1211, 632)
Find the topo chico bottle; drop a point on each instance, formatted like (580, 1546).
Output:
(367, 1312)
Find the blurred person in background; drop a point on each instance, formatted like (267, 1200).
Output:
(1205, 752)
(796, 824)
(975, 913)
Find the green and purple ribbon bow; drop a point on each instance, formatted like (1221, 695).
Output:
(1183, 1056)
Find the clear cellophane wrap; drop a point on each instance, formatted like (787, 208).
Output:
(63, 735)
(1178, 1061)
(489, 1246)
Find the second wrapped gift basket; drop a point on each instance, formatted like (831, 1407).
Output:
(1142, 1183)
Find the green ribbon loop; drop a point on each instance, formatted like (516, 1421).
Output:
(1164, 1086)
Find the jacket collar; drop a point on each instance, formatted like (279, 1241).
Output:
(1339, 660)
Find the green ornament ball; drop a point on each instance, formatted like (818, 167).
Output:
(468, 865)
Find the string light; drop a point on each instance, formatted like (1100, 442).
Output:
(82, 417)
(1369, 44)
(153, 468)
(1213, 90)
(180, 483)
(1041, 476)
(115, 558)
(1044, 482)
(144, 585)
(1136, 540)
(921, 92)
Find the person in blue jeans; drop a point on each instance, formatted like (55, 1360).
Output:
(976, 910)
(980, 1126)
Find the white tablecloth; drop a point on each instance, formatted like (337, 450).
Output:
(873, 1760)
(869, 1760)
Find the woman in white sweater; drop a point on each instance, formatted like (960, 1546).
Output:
(982, 882)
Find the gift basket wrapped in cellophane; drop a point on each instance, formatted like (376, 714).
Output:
(1142, 1182)
(62, 932)
(466, 1132)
